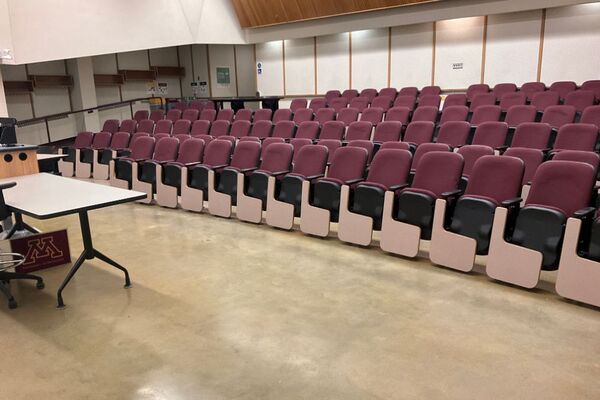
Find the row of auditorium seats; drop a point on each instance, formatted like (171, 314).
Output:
(562, 88)
(405, 203)
(187, 172)
(495, 135)
(556, 116)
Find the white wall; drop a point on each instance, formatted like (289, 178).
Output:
(333, 62)
(572, 43)
(512, 49)
(50, 30)
(370, 58)
(512, 40)
(300, 66)
(412, 55)
(458, 41)
(270, 54)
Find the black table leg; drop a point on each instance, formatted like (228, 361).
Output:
(20, 225)
(88, 253)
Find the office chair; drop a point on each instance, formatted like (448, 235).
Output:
(11, 260)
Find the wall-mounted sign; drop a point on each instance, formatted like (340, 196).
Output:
(457, 65)
(259, 68)
(223, 76)
(162, 88)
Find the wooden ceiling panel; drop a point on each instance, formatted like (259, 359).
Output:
(257, 13)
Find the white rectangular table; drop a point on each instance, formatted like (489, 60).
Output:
(44, 196)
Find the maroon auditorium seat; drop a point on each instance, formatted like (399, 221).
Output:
(576, 137)
(454, 113)
(563, 88)
(317, 103)
(400, 114)
(200, 127)
(303, 114)
(580, 99)
(308, 130)
(348, 115)
(387, 131)
(486, 113)
(173, 114)
(475, 89)
(190, 114)
(482, 99)
(491, 133)
(454, 133)
(359, 130)
(110, 125)
(533, 135)
(501, 89)
(373, 115)
(240, 128)
(425, 113)
(530, 88)
(543, 100)
(332, 94)
(282, 114)
(325, 114)
(369, 93)
(127, 125)
(332, 130)
(263, 114)
(419, 132)
(558, 116)
(297, 104)
(520, 114)
(284, 129)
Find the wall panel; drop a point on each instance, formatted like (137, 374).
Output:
(222, 56)
(370, 58)
(300, 66)
(512, 47)
(246, 70)
(458, 41)
(167, 57)
(134, 60)
(270, 54)
(333, 62)
(571, 43)
(412, 55)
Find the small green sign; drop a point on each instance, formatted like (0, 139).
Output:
(223, 77)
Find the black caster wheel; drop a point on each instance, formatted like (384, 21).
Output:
(12, 304)
(40, 285)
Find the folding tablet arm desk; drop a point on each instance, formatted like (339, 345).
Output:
(44, 196)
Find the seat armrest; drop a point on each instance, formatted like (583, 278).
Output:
(512, 203)
(451, 194)
(313, 177)
(123, 152)
(7, 185)
(191, 164)
(502, 149)
(279, 173)
(353, 181)
(395, 188)
(215, 167)
(246, 170)
(584, 213)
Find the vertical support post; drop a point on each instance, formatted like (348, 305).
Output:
(84, 93)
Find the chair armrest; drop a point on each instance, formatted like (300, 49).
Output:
(395, 188)
(584, 213)
(243, 171)
(451, 194)
(279, 173)
(7, 185)
(512, 203)
(353, 181)
(191, 164)
(313, 177)
(123, 152)
(502, 149)
(215, 167)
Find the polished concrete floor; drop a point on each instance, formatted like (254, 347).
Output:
(222, 309)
